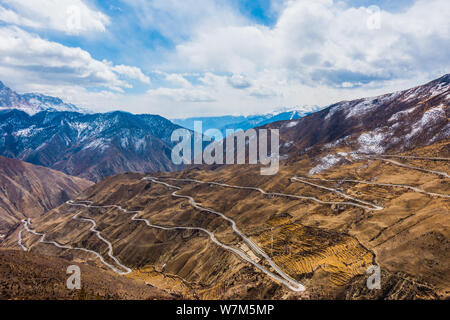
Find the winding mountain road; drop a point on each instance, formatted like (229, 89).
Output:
(110, 247)
(293, 284)
(276, 194)
(286, 280)
(415, 157)
(439, 173)
(434, 194)
(26, 224)
(403, 165)
(279, 276)
(19, 240)
(372, 206)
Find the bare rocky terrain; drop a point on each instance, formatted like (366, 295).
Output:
(26, 275)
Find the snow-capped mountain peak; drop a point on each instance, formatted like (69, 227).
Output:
(33, 103)
(297, 109)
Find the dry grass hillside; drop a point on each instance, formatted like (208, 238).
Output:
(31, 276)
(28, 190)
(322, 230)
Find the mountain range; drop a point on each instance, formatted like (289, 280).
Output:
(229, 122)
(46, 131)
(94, 146)
(394, 122)
(33, 103)
(91, 146)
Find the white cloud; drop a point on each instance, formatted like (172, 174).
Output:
(179, 20)
(178, 80)
(69, 16)
(29, 58)
(131, 73)
(12, 17)
(182, 94)
(239, 81)
(317, 52)
(316, 40)
(263, 92)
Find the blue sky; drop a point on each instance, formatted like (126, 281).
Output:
(210, 57)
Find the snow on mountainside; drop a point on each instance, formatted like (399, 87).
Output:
(33, 103)
(91, 146)
(42, 102)
(393, 122)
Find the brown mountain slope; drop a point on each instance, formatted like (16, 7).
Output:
(323, 240)
(27, 190)
(25, 275)
(336, 207)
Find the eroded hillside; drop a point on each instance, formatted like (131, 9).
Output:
(27, 190)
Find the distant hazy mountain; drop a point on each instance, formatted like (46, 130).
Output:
(91, 146)
(33, 103)
(246, 122)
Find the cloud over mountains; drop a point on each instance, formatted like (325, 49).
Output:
(219, 58)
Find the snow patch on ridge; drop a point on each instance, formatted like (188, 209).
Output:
(100, 144)
(370, 104)
(138, 143)
(336, 143)
(363, 107)
(335, 109)
(27, 132)
(79, 127)
(291, 124)
(441, 88)
(398, 115)
(288, 144)
(326, 163)
(371, 142)
(429, 117)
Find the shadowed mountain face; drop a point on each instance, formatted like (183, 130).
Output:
(28, 190)
(91, 146)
